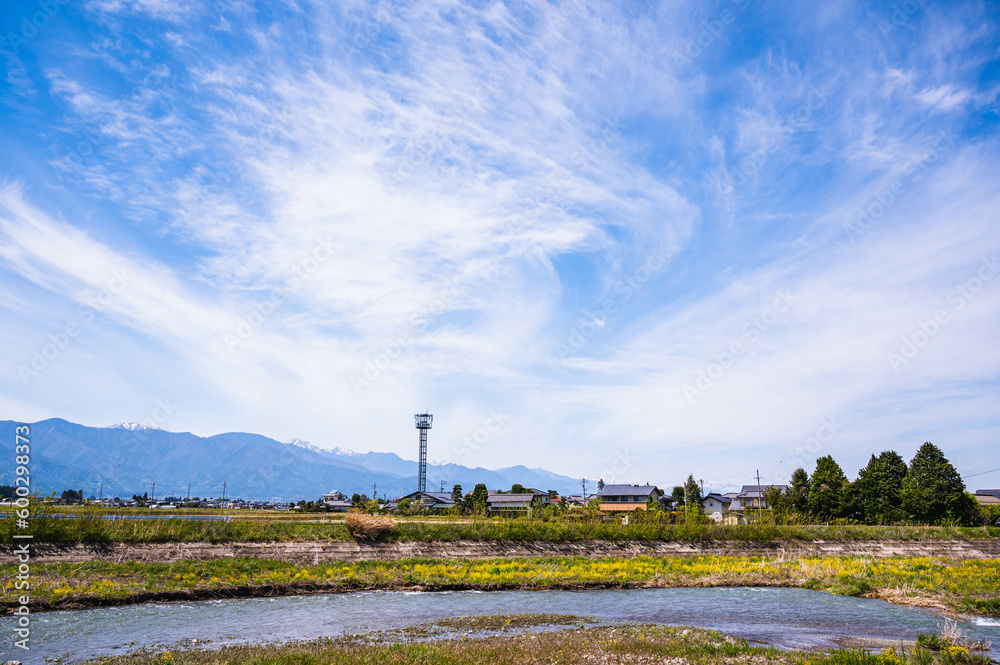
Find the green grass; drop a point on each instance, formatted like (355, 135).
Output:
(487, 622)
(639, 643)
(270, 527)
(92, 529)
(965, 585)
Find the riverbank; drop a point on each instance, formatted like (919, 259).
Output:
(970, 586)
(322, 551)
(90, 527)
(497, 640)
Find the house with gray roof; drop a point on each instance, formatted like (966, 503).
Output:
(429, 500)
(988, 497)
(497, 503)
(622, 498)
(716, 506)
(751, 497)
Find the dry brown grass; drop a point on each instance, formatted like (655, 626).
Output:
(369, 527)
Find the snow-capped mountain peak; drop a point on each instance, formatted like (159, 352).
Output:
(303, 444)
(133, 426)
(337, 450)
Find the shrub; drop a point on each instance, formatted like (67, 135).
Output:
(930, 642)
(369, 527)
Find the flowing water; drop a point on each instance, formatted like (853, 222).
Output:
(788, 618)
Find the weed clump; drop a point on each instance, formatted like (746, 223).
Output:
(369, 527)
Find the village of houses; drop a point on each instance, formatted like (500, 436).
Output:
(741, 507)
(724, 508)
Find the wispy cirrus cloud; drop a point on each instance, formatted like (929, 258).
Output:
(480, 180)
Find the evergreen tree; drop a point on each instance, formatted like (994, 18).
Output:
(933, 491)
(600, 484)
(693, 491)
(876, 494)
(479, 496)
(826, 489)
(456, 495)
(798, 491)
(677, 494)
(518, 488)
(777, 502)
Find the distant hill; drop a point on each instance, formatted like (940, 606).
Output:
(129, 458)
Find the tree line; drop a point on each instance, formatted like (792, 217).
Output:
(928, 490)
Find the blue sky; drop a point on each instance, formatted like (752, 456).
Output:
(688, 237)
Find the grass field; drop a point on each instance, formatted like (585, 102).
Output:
(970, 586)
(599, 645)
(270, 526)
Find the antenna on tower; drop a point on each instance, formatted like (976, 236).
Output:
(423, 423)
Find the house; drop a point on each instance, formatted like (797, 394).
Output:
(988, 497)
(716, 506)
(618, 498)
(429, 500)
(573, 500)
(751, 496)
(337, 502)
(497, 503)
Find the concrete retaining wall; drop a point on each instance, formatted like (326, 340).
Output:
(316, 552)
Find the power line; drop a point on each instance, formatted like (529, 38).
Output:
(981, 473)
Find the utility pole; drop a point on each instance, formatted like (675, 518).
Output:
(442, 485)
(224, 494)
(702, 487)
(189, 492)
(101, 496)
(152, 497)
(374, 492)
(585, 490)
(760, 507)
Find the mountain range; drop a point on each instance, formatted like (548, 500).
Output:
(126, 459)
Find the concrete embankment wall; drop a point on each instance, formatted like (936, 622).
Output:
(315, 552)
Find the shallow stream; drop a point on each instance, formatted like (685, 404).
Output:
(787, 618)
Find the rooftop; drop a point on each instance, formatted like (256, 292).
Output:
(628, 490)
(721, 498)
(750, 491)
(510, 498)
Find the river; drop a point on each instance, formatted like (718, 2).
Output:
(787, 618)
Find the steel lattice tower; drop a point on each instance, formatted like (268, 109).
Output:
(423, 421)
